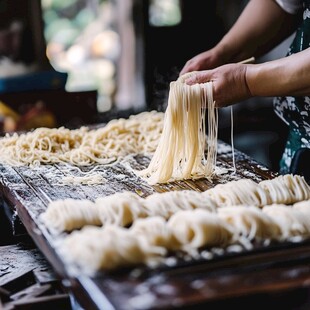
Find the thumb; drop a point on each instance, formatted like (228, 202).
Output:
(199, 77)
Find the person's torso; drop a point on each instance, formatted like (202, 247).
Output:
(295, 111)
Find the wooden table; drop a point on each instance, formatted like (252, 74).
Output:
(188, 284)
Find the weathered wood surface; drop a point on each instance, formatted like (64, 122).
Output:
(17, 260)
(28, 281)
(188, 282)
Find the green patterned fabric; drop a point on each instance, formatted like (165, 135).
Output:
(295, 111)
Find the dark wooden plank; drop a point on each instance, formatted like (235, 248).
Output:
(30, 190)
(60, 301)
(167, 292)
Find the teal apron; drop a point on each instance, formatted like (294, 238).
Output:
(295, 111)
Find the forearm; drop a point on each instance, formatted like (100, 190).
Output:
(260, 27)
(286, 76)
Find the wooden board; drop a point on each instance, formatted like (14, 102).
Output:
(29, 191)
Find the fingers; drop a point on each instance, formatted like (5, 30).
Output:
(189, 66)
(197, 63)
(229, 83)
(207, 60)
(184, 70)
(199, 77)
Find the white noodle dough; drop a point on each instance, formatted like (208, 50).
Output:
(166, 204)
(83, 147)
(180, 153)
(286, 189)
(198, 228)
(250, 222)
(120, 209)
(124, 208)
(291, 221)
(155, 233)
(241, 192)
(149, 240)
(94, 248)
(69, 214)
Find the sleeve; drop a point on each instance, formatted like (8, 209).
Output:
(290, 6)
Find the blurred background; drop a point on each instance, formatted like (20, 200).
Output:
(80, 62)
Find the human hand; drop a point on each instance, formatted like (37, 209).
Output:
(207, 60)
(229, 83)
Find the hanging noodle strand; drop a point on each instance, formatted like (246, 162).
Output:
(181, 150)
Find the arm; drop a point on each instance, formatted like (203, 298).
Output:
(261, 26)
(289, 76)
(233, 83)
